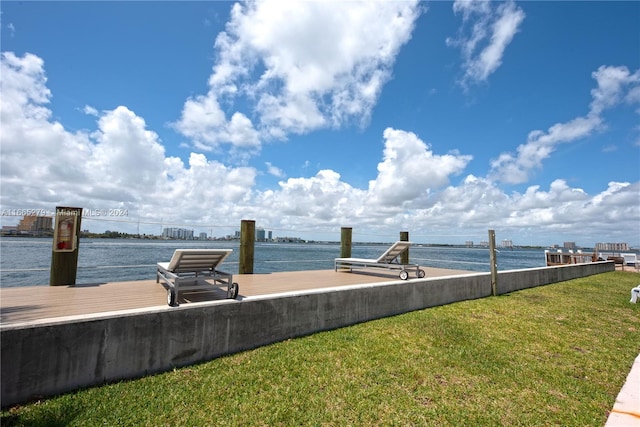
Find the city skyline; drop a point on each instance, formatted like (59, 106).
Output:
(42, 226)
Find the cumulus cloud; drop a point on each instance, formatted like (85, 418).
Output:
(408, 172)
(410, 169)
(614, 84)
(477, 204)
(123, 163)
(487, 29)
(123, 157)
(30, 140)
(471, 206)
(300, 66)
(569, 209)
(206, 190)
(23, 87)
(322, 199)
(204, 122)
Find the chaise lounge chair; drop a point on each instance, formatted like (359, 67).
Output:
(189, 269)
(631, 260)
(388, 260)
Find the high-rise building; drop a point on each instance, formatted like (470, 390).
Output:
(620, 246)
(36, 225)
(177, 233)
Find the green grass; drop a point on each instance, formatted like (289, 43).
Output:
(554, 355)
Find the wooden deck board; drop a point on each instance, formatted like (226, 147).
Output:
(32, 303)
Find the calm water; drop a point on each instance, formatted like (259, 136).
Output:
(26, 261)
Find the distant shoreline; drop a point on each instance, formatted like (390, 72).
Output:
(124, 236)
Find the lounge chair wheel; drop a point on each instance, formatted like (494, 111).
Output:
(232, 293)
(404, 275)
(421, 274)
(171, 298)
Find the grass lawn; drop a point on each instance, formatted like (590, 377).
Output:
(553, 355)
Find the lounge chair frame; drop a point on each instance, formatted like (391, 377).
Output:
(388, 260)
(195, 269)
(631, 260)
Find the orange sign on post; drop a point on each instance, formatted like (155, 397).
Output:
(64, 257)
(64, 235)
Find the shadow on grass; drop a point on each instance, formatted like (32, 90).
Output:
(59, 416)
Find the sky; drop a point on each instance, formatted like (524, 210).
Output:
(443, 119)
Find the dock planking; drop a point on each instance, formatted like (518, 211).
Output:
(37, 303)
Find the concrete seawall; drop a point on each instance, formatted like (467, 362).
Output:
(45, 358)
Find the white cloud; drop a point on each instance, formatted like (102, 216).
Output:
(90, 111)
(410, 169)
(23, 87)
(475, 203)
(206, 124)
(122, 163)
(300, 65)
(274, 170)
(124, 158)
(612, 83)
(30, 141)
(558, 194)
(320, 200)
(492, 29)
(408, 172)
(633, 97)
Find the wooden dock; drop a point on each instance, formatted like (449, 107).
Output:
(566, 258)
(37, 303)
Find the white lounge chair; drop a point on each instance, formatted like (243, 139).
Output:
(388, 260)
(189, 269)
(631, 260)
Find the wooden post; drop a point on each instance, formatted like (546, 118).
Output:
(66, 245)
(404, 257)
(494, 263)
(345, 242)
(247, 246)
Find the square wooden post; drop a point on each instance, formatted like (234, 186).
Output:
(66, 245)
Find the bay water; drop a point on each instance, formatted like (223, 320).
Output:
(27, 261)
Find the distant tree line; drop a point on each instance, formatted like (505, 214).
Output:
(108, 234)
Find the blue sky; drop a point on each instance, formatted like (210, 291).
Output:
(444, 119)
